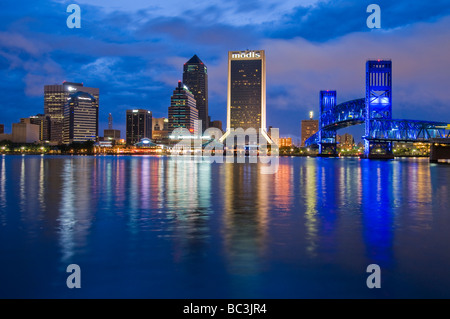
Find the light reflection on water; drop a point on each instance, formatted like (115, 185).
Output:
(169, 228)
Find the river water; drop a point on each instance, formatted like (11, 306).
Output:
(161, 227)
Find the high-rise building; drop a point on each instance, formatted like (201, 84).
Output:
(44, 125)
(309, 128)
(80, 122)
(55, 98)
(139, 125)
(2, 128)
(195, 77)
(182, 110)
(246, 103)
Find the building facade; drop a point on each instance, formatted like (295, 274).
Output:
(285, 142)
(195, 77)
(44, 125)
(160, 129)
(309, 127)
(246, 103)
(139, 125)
(345, 140)
(80, 122)
(25, 133)
(183, 112)
(55, 98)
(111, 134)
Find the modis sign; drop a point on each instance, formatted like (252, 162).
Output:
(246, 55)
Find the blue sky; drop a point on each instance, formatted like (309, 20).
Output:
(134, 52)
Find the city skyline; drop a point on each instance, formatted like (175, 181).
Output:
(303, 56)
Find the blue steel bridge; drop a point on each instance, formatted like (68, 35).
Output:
(375, 112)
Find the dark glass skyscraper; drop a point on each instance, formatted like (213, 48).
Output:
(80, 118)
(195, 77)
(55, 97)
(182, 110)
(246, 90)
(139, 125)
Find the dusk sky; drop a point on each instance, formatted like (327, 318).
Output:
(134, 52)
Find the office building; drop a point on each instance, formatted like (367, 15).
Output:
(182, 111)
(55, 98)
(285, 142)
(246, 103)
(44, 125)
(195, 77)
(2, 128)
(24, 133)
(139, 125)
(80, 122)
(309, 128)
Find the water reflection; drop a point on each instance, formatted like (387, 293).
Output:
(245, 217)
(181, 222)
(3, 201)
(75, 215)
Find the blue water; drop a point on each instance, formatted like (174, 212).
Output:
(157, 227)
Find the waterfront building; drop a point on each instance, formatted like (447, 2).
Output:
(285, 142)
(111, 134)
(182, 110)
(80, 122)
(160, 129)
(308, 128)
(246, 102)
(25, 133)
(44, 125)
(139, 125)
(195, 77)
(55, 98)
(346, 140)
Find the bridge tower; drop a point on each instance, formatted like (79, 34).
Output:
(327, 139)
(378, 106)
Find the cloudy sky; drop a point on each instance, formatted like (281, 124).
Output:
(134, 51)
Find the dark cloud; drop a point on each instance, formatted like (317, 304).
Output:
(331, 19)
(135, 57)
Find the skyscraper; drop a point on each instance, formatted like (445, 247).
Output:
(182, 110)
(139, 125)
(55, 97)
(80, 118)
(2, 128)
(246, 105)
(195, 77)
